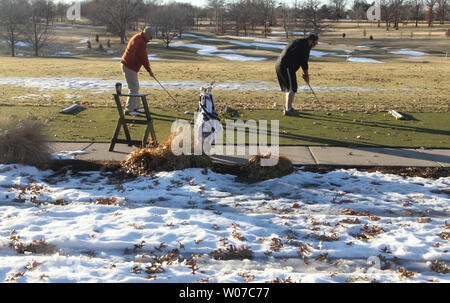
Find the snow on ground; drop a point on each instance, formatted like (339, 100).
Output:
(104, 86)
(408, 53)
(259, 44)
(64, 155)
(18, 43)
(64, 54)
(209, 50)
(361, 59)
(32, 96)
(342, 226)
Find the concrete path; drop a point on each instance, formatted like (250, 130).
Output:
(299, 155)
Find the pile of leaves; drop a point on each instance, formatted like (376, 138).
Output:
(24, 142)
(257, 172)
(233, 253)
(35, 247)
(159, 157)
(369, 233)
(440, 267)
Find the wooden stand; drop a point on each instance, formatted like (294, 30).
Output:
(124, 121)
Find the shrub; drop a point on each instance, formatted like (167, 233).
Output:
(24, 142)
(371, 37)
(343, 35)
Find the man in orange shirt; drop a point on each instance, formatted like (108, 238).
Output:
(133, 59)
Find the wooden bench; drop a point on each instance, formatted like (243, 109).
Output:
(124, 121)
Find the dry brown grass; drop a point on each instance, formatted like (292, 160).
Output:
(24, 142)
(159, 157)
(256, 172)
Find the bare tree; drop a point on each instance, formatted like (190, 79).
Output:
(416, 6)
(338, 8)
(386, 12)
(12, 15)
(183, 17)
(61, 11)
(397, 7)
(148, 15)
(217, 7)
(266, 11)
(359, 9)
(430, 11)
(199, 13)
(36, 30)
(117, 15)
(287, 15)
(441, 10)
(163, 19)
(311, 18)
(239, 11)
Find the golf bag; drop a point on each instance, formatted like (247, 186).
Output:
(207, 125)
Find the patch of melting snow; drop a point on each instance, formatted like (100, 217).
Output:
(271, 41)
(103, 86)
(255, 44)
(32, 96)
(209, 50)
(363, 60)
(67, 155)
(319, 54)
(61, 27)
(18, 43)
(62, 54)
(344, 50)
(282, 32)
(408, 53)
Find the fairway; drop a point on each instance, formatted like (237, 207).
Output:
(412, 78)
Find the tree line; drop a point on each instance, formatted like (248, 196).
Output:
(30, 20)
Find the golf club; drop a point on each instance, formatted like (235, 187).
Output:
(317, 99)
(166, 91)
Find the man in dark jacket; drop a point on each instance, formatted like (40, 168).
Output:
(134, 57)
(294, 56)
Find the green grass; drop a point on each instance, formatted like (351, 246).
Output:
(428, 130)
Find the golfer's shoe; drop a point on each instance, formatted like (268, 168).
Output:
(291, 112)
(131, 113)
